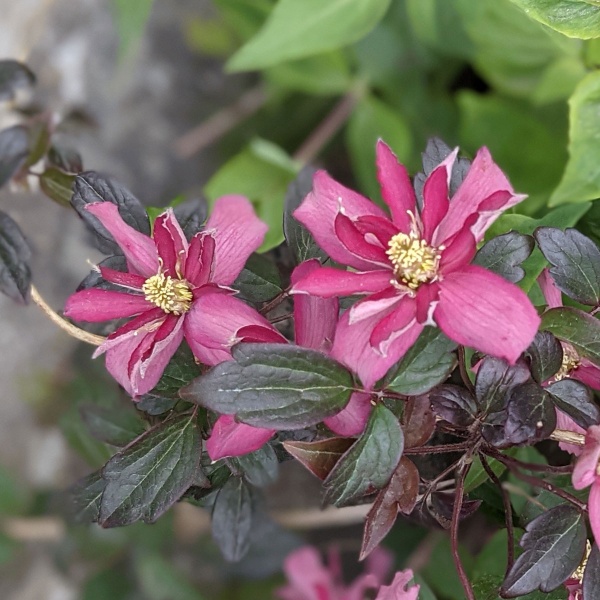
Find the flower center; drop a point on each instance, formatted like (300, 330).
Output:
(570, 362)
(414, 260)
(172, 295)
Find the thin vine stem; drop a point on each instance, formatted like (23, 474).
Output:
(550, 469)
(269, 306)
(508, 515)
(462, 367)
(458, 502)
(439, 449)
(72, 330)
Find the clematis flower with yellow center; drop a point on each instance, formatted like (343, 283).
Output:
(166, 277)
(414, 266)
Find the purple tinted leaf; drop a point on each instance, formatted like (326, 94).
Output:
(259, 280)
(93, 187)
(575, 261)
(454, 404)
(65, 159)
(321, 456)
(418, 421)
(95, 280)
(554, 544)
(147, 477)
(15, 274)
(531, 416)
(577, 400)
(369, 464)
(276, 386)
(232, 519)
(504, 254)
(545, 355)
(14, 150)
(114, 427)
(400, 494)
(442, 507)
(495, 377)
(13, 76)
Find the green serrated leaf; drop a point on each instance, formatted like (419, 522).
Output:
(276, 386)
(576, 327)
(259, 280)
(57, 185)
(260, 468)
(182, 368)
(573, 18)
(504, 254)
(370, 462)
(114, 427)
(86, 496)
(147, 477)
(428, 362)
(298, 29)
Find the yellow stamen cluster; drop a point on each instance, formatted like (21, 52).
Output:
(570, 362)
(414, 260)
(172, 295)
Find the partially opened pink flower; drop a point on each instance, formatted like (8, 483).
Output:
(415, 266)
(166, 277)
(587, 472)
(309, 579)
(315, 321)
(573, 366)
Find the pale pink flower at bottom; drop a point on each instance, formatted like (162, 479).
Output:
(166, 277)
(309, 579)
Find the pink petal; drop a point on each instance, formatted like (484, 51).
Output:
(129, 280)
(137, 362)
(379, 564)
(139, 249)
(213, 323)
(94, 305)
(585, 471)
(551, 293)
(199, 261)
(435, 200)
(355, 242)
(308, 578)
(397, 323)
(320, 208)
(352, 419)
(238, 233)
(480, 309)
(375, 304)
(328, 282)
(427, 298)
(587, 373)
(360, 586)
(258, 334)
(315, 318)
(399, 589)
(229, 438)
(352, 348)
(396, 187)
(483, 179)
(380, 228)
(171, 243)
(594, 509)
(564, 421)
(459, 251)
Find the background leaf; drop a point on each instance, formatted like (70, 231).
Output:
(14, 150)
(15, 274)
(13, 76)
(297, 29)
(504, 254)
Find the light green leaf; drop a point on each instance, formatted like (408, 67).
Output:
(504, 125)
(574, 18)
(131, 17)
(261, 172)
(298, 29)
(373, 119)
(581, 179)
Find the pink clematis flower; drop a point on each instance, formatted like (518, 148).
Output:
(415, 266)
(309, 579)
(587, 472)
(315, 321)
(573, 366)
(166, 278)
